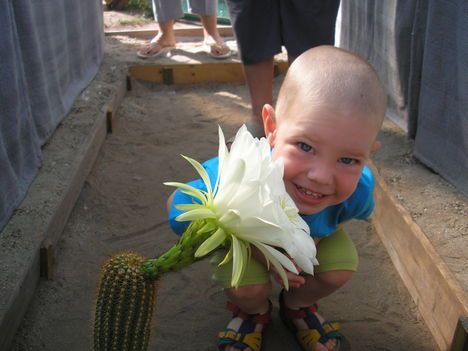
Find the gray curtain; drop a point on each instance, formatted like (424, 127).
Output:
(442, 121)
(49, 52)
(420, 49)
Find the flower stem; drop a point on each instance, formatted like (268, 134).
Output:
(180, 255)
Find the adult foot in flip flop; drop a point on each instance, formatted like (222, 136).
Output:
(157, 47)
(218, 50)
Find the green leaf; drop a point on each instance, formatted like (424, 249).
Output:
(200, 213)
(189, 190)
(207, 227)
(239, 261)
(188, 207)
(228, 257)
(211, 243)
(203, 174)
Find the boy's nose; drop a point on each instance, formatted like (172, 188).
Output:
(322, 174)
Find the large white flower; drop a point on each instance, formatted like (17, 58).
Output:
(249, 205)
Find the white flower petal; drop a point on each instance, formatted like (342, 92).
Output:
(282, 258)
(276, 264)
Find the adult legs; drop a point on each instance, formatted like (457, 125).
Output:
(212, 38)
(167, 11)
(259, 77)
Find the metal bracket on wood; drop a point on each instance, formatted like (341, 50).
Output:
(460, 338)
(46, 261)
(129, 82)
(167, 75)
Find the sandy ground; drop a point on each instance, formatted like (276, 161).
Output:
(122, 207)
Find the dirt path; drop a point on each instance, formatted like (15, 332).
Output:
(121, 207)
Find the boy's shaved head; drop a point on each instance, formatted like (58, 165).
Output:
(331, 76)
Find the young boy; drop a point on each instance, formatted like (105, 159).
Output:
(328, 114)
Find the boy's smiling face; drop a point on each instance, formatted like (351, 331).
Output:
(324, 152)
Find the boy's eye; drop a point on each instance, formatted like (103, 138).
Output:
(305, 147)
(349, 161)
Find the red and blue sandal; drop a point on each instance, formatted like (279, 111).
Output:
(244, 337)
(317, 332)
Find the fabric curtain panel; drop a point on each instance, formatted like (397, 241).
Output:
(50, 51)
(442, 126)
(420, 49)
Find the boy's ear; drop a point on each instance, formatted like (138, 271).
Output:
(269, 123)
(377, 144)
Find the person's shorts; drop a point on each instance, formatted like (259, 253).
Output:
(166, 10)
(334, 252)
(261, 27)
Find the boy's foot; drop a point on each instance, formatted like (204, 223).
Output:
(244, 331)
(312, 332)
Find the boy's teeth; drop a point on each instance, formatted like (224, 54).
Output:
(310, 193)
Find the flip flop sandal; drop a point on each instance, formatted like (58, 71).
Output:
(318, 332)
(163, 51)
(218, 51)
(245, 336)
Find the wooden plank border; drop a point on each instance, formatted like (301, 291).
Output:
(437, 294)
(227, 72)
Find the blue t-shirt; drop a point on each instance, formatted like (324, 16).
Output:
(358, 206)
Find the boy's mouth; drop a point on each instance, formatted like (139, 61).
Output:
(309, 193)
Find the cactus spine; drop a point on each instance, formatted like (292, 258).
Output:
(127, 292)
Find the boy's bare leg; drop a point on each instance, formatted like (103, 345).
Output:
(315, 288)
(164, 38)
(251, 299)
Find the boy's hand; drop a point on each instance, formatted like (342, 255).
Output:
(295, 280)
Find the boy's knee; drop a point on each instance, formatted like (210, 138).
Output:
(247, 292)
(334, 279)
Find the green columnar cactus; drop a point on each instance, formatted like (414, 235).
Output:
(127, 292)
(124, 305)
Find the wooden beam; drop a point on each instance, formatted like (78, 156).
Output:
(81, 168)
(228, 72)
(437, 294)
